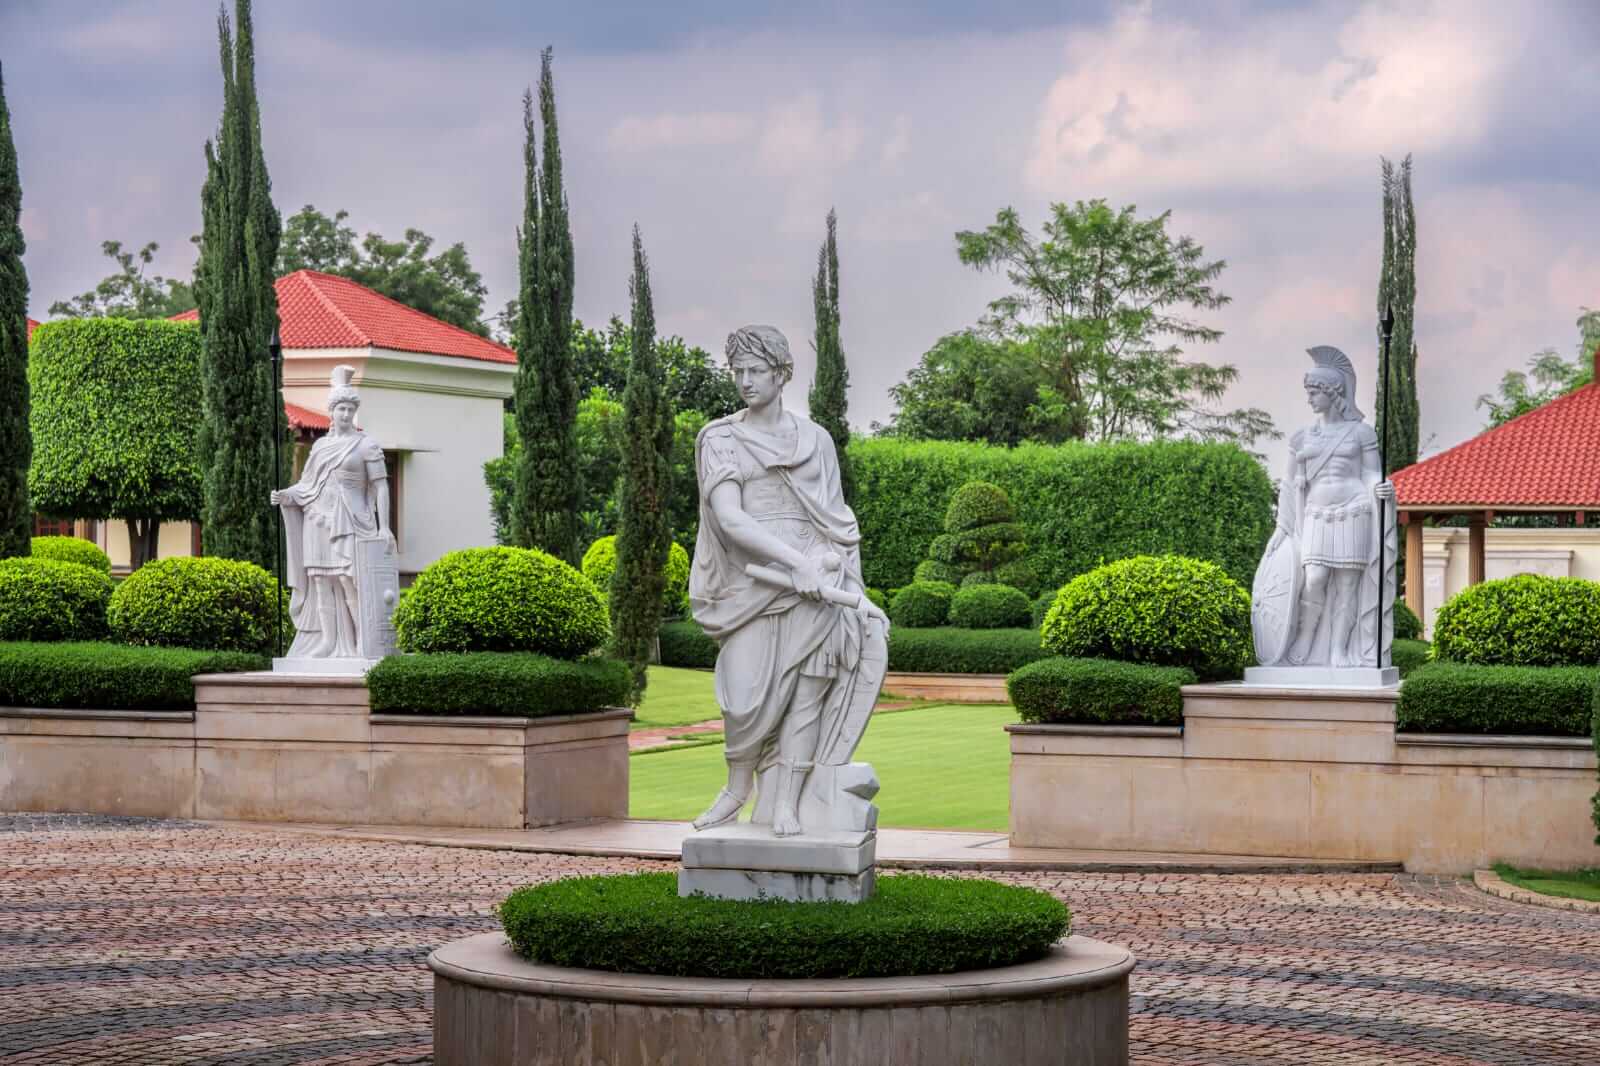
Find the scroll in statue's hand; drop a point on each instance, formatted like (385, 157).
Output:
(807, 580)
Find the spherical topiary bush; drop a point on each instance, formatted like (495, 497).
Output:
(977, 503)
(1407, 626)
(219, 604)
(1526, 620)
(45, 599)
(72, 550)
(922, 604)
(990, 607)
(502, 599)
(1163, 610)
(600, 563)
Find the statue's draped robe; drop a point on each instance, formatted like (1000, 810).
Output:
(770, 636)
(323, 514)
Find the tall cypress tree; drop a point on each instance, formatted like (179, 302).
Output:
(238, 312)
(549, 491)
(829, 400)
(1398, 411)
(16, 445)
(644, 531)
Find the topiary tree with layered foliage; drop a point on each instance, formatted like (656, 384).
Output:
(114, 404)
(982, 544)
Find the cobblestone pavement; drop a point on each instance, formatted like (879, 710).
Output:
(133, 941)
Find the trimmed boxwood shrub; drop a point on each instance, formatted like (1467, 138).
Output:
(516, 684)
(1407, 626)
(1098, 690)
(990, 607)
(934, 570)
(686, 644)
(1444, 697)
(502, 599)
(948, 650)
(110, 676)
(600, 563)
(1080, 504)
(1407, 655)
(1162, 611)
(1526, 620)
(221, 604)
(43, 599)
(913, 924)
(72, 550)
(922, 603)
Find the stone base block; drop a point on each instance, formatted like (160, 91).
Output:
(777, 884)
(330, 667)
(1323, 676)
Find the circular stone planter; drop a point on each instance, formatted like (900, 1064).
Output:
(492, 1007)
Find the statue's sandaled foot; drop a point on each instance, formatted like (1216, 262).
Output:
(724, 809)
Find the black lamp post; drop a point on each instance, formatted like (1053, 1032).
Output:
(275, 352)
(1386, 327)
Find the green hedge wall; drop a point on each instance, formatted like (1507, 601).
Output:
(110, 676)
(512, 684)
(1443, 697)
(686, 644)
(938, 650)
(1081, 504)
(1098, 691)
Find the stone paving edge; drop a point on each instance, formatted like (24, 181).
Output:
(1495, 885)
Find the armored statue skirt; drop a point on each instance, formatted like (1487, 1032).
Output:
(1341, 535)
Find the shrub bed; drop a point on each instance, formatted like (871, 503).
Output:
(1098, 690)
(222, 604)
(948, 650)
(686, 644)
(990, 607)
(1161, 611)
(1526, 620)
(511, 684)
(502, 599)
(921, 604)
(1407, 655)
(110, 676)
(637, 923)
(43, 599)
(1444, 697)
(72, 550)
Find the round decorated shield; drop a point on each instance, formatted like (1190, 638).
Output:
(1273, 599)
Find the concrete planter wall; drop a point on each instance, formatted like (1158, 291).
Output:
(1316, 774)
(491, 1007)
(953, 688)
(273, 747)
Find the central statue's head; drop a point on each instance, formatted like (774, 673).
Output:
(759, 360)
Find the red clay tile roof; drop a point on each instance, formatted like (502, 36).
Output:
(32, 325)
(317, 310)
(1549, 457)
(304, 417)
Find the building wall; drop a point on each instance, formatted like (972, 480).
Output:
(1572, 552)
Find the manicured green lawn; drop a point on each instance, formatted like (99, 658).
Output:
(676, 697)
(1570, 884)
(941, 767)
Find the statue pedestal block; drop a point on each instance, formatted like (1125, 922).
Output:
(1323, 676)
(327, 667)
(746, 861)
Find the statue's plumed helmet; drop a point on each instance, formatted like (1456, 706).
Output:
(764, 343)
(340, 389)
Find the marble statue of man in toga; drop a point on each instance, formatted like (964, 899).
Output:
(801, 661)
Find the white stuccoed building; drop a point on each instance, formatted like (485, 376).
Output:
(432, 395)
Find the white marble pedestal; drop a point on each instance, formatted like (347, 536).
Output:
(746, 861)
(324, 667)
(1323, 676)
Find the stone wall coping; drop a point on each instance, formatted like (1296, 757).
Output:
(507, 722)
(1488, 740)
(267, 677)
(953, 677)
(1079, 729)
(1238, 690)
(1079, 963)
(96, 714)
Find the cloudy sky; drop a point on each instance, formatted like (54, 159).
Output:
(727, 129)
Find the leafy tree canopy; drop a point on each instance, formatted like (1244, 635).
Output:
(1548, 375)
(443, 285)
(1099, 312)
(693, 382)
(129, 292)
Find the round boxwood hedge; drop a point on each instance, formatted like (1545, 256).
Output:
(72, 550)
(215, 604)
(922, 604)
(600, 563)
(46, 600)
(990, 607)
(502, 599)
(1161, 610)
(1407, 626)
(1526, 620)
(637, 923)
